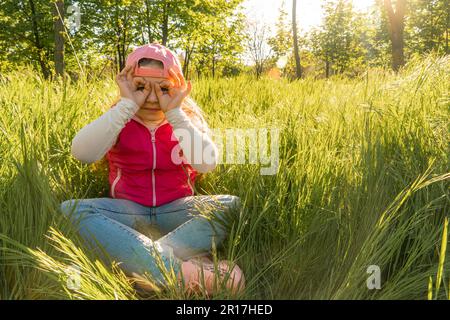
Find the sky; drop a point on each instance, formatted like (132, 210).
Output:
(309, 15)
(308, 11)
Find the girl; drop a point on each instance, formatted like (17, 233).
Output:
(151, 138)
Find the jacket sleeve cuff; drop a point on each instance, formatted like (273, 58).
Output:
(176, 117)
(129, 103)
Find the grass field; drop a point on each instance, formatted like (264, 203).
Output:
(363, 179)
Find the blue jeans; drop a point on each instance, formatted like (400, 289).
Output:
(130, 232)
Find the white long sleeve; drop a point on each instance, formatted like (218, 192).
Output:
(198, 148)
(96, 138)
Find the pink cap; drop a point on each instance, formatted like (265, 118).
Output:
(158, 52)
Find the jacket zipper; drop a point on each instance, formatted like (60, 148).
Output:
(119, 173)
(152, 132)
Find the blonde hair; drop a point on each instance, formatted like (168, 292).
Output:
(195, 113)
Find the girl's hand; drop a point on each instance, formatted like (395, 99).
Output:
(129, 86)
(176, 93)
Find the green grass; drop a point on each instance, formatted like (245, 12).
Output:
(362, 180)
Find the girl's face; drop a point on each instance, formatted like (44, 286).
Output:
(151, 110)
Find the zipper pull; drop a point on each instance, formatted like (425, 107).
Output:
(152, 131)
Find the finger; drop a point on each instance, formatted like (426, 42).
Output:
(189, 87)
(158, 90)
(121, 78)
(175, 77)
(169, 83)
(130, 72)
(166, 83)
(122, 74)
(172, 91)
(188, 90)
(138, 82)
(125, 70)
(147, 89)
(182, 81)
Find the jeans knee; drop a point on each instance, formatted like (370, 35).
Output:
(232, 202)
(235, 202)
(66, 206)
(72, 207)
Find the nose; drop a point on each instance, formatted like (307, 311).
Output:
(152, 98)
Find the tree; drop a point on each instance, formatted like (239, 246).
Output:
(58, 26)
(26, 33)
(427, 28)
(108, 28)
(396, 31)
(161, 18)
(282, 42)
(338, 40)
(260, 53)
(380, 49)
(298, 68)
(211, 36)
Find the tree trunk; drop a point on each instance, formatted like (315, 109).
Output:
(118, 64)
(147, 19)
(396, 31)
(327, 68)
(187, 60)
(432, 44)
(121, 38)
(58, 14)
(259, 69)
(165, 23)
(121, 55)
(298, 68)
(446, 41)
(37, 41)
(446, 32)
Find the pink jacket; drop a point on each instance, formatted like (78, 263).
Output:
(141, 168)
